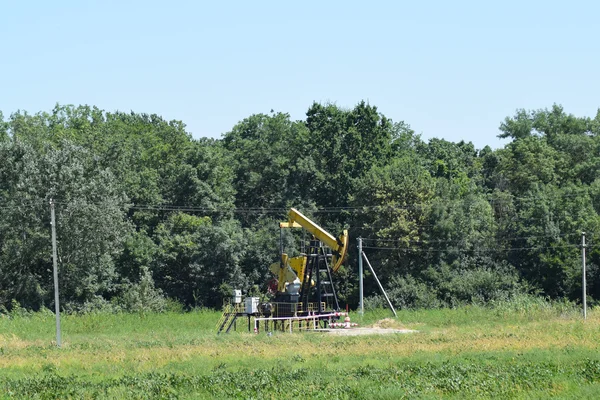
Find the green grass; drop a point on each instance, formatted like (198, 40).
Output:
(512, 350)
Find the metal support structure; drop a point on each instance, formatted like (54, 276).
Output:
(318, 270)
(583, 283)
(55, 270)
(379, 283)
(281, 248)
(308, 318)
(360, 279)
(319, 289)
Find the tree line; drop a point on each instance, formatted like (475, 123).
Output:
(148, 216)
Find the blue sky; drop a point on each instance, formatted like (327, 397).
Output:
(452, 70)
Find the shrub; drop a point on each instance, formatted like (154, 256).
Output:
(142, 296)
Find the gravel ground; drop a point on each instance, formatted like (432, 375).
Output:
(364, 331)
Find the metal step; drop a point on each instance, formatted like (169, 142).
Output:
(231, 323)
(224, 322)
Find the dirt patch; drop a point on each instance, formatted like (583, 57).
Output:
(365, 331)
(385, 326)
(388, 323)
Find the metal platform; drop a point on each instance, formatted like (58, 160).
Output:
(276, 316)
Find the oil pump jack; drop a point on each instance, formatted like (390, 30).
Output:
(305, 282)
(303, 292)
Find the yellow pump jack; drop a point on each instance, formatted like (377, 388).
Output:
(291, 270)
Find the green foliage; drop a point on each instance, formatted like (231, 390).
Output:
(263, 150)
(472, 284)
(393, 202)
(142, 296)
(146, 213)
(408, 292)
(344, 145)
(194, 257)
(3, 128)
(90, 224)
(464, 379)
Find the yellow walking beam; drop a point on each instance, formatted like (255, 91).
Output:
(338, 246)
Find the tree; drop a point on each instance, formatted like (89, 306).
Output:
(197, 262)
(345, 145)
(204, 179)
(90, 225)
(266, 152)
(450, 160)
(392, 203)
(527, 163)
(545, 236)
(3, 128)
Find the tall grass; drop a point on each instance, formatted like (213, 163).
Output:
(520, 349)
(520, 308)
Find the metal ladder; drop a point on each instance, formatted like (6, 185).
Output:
(229, 315)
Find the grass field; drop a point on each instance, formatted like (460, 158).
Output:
(527, 349)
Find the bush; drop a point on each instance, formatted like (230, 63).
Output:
(97, 304)
(451, 286)
(408, 292)
(142, 296)
(462, 284)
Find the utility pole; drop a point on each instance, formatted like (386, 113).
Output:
(584, 294)
(55, 270)
(360, 278)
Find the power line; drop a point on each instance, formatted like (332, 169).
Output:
(7, 206)
(355, 209)
(434, 201)
(477, 250)
(427, 241)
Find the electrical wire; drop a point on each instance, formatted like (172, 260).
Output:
(339, 209)
(477, 250)
(455, 241)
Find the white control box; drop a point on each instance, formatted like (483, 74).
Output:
(237, 296)
(252, 305)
